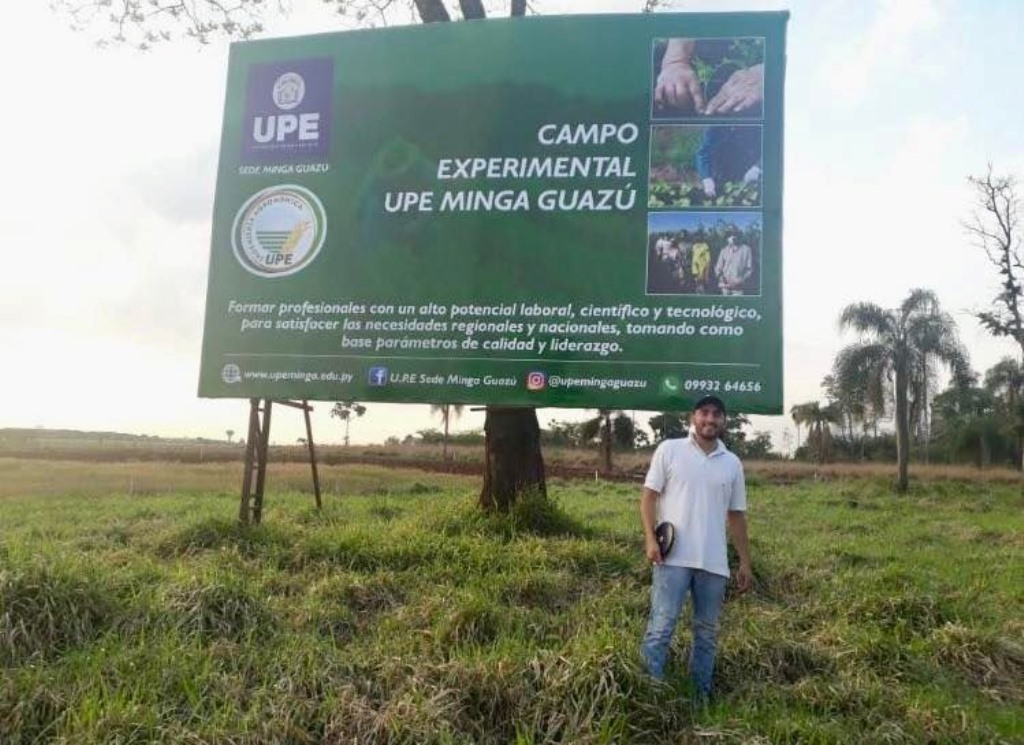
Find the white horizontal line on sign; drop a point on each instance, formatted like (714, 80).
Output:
(488, 359)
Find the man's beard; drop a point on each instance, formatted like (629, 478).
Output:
(709, 431)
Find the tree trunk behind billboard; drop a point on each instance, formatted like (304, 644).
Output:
(513, 464)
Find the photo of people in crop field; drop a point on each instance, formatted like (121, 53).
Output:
(697, 166)
(704, 253)
(695, 77)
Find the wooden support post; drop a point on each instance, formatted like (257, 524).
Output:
(256, 456)
(312, 454)
(261, 469)
(250, 459)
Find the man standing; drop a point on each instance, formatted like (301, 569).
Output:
(734, 267)
(697, 485)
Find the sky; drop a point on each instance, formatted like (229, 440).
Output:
(675, 221)
(111, 156)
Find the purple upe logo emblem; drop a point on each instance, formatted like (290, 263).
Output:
(288, 111)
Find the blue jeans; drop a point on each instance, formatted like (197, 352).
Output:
(668, 593)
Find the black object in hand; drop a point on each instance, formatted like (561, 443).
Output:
(666, 535)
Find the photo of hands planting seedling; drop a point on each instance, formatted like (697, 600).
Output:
(708, 77)
(700, 166)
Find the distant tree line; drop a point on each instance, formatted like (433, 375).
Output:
(891, 373)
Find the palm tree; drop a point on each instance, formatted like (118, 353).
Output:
(798, 418)
(923, 374)
(853, 401)
(447, 412)
(819, 420)
(801, 414)
(895, 345)
(1005, 379)
(344, 410)
(850, 406)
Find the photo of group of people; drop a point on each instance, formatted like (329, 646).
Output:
(706, 153)
(704, 253)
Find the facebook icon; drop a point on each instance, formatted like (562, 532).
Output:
(378, 376)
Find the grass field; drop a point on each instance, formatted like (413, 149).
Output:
(133, 608)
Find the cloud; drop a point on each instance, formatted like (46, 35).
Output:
(179, 188)
(159, 297)
(895, 37)
(108, 266)
(891, 219)
(871, 225)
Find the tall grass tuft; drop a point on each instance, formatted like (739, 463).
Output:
(532, 514)
(473, 621)
(993, 663)
(45, 611)
(218, 608)
(543, 516)
(31, 708)
(221, 532)
(342, 607)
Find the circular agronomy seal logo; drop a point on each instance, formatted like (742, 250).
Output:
(289, 90)
(279, 230)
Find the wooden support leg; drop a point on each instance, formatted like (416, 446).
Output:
(261, 467)
(250, 460)
(312, 455)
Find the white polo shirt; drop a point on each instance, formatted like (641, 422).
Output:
(697, 491)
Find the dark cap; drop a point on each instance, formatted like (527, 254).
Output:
(709, 400)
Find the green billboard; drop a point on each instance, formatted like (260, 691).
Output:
(580, 211)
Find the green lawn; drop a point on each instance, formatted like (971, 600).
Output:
(401, 615)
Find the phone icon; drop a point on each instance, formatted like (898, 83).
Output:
(671, 384)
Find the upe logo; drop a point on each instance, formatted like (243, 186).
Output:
(288, 111)
(289, 90)
(279, 231)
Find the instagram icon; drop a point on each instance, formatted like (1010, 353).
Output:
(536, 380)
